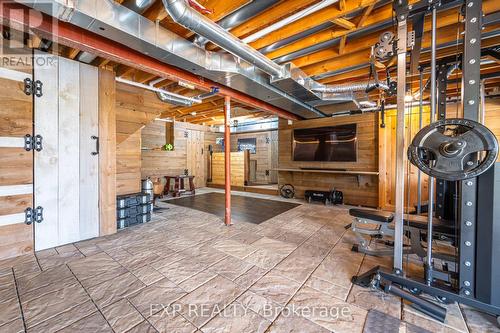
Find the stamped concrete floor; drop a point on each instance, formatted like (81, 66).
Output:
(186, 272)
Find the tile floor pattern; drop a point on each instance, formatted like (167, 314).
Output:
(186, 272)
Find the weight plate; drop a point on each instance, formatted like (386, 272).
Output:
(287, 191)
(449, 149)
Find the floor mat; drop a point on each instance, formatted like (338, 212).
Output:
(243, 208)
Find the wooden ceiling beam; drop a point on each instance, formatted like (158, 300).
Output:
(382, 14)
(342, 22)
(156, 11)
(360, 49)
(274, 14)
(310, 21)
(100, 62)
(342, 45)
(365, 15)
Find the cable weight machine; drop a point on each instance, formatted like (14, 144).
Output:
(460, 150)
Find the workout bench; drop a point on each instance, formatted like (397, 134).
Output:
(415, 227)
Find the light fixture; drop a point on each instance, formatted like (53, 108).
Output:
(193, 113)
(408, 98)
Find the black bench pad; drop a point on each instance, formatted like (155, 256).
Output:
(438, 226)
(414, 221)
(370, 214)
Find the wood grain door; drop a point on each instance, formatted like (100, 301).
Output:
(66, 170)
(16, 164)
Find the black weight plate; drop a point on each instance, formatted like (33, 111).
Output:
(430, 141)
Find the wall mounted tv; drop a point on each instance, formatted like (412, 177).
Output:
(326, 144)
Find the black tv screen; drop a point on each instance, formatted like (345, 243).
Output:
(326, 144)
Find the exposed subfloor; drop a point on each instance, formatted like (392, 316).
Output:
(187, 272)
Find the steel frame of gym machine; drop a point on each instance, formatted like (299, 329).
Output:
(396, 282)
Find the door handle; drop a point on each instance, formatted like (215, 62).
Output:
(96, 138)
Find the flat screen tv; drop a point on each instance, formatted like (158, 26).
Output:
(326, 144)
(248, 144)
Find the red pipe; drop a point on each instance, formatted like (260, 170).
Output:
(17, 16)
(227, 158)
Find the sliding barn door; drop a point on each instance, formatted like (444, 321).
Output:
(66, 170)
(16, 164)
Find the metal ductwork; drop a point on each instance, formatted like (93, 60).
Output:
(183, 14)
(239, 16)
(116, 22)
(351, 87)
(248, 71)
(138, 6)
(288, 77)
(163, 95)
(167, 98)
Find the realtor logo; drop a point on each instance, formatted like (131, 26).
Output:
(23, 30)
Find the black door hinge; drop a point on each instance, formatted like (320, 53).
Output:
(33, 87)
(33, 215)
(33, 142)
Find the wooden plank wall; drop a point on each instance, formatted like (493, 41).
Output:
(190, 150)
(265, 156)
(135, 108)
(387, 150)
(238, 169)
(16, 164)
(358, 190)
(107, 155)
(128, 165)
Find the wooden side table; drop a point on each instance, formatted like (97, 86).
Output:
(179, 185)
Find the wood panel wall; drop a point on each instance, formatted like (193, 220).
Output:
(387, 150)
(135, 108)
(128, 165)
(239, 169)
(358, 190)
(107, 156)
(16, 165)
(266, 156)
(190, 152)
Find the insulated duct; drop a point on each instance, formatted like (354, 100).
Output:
(163, 95)
(189, 18)
(166, 98)
(351, 87)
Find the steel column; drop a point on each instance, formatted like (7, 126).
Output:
(470, 103)
(401, 8)
(441, 185)
(420, 123)
(430, 209)
(227, 159)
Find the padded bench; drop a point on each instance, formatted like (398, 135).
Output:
(381, 225)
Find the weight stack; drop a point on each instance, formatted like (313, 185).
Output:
(133, 209)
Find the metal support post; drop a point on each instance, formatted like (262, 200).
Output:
(401, 9)
(430, 215)
(420, 123)
(441, 185)
(227, 158)
(470, 103)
